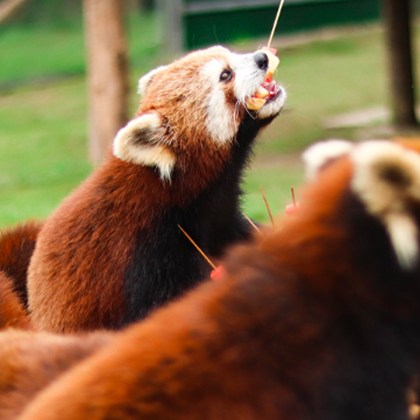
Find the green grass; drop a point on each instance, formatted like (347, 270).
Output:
(42, 149)
(276, 184)
(29, 52)
(43, 128)
(46, 51)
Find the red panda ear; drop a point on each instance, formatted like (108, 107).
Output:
(321, 154)
(145, 81)
(137, 143)
(387, 180)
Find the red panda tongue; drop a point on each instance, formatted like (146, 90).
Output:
(271, 86)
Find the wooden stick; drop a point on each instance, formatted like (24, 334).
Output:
(293, 196)
(266, 205)
(198, 248)
(275, 23)
(252, 224)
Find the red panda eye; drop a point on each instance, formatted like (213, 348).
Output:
(225, 76)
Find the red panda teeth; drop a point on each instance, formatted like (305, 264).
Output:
(268, 88)
(266, 91)
(254, 104)
(262, 92)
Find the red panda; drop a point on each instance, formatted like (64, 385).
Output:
(318, 319)
(112, 251)
(30, 361)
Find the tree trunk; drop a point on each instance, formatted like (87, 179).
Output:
(107, 73)
(8, 8)
(397, 17)
(171, 12)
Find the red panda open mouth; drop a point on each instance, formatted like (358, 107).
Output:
(268, 89)
(271, 87)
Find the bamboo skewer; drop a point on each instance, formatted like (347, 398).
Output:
(293, 197)
(262, 191)
(252, 223)
(198, 248)
(266, 205)
(275, 23)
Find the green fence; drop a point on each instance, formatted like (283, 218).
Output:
(206, 22)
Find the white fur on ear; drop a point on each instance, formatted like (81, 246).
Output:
(135, 143)
(403, 233)
(145, 81)
(317, 155)
(386, 179)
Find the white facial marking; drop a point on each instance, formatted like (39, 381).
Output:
(248, 77)
(248, 80)
(320, 153)
(213, 69)
(220, 121)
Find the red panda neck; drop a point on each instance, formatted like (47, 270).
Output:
(195, 169)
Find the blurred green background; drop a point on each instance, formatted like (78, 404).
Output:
(328, 74)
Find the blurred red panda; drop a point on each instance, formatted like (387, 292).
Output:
(30, 361)
(319, 319)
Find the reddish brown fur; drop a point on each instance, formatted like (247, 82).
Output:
(52, 309)
(12, 312)
(255, 346)
(169, 89)
(60, 275)
(31, 361)
(16, 247)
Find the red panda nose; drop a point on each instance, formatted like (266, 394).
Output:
(262, 60)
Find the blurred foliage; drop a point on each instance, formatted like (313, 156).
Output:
(43, 108)
(53, 13)
(42, 53)
(59, 13)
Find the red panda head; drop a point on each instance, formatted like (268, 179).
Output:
(385, 177)
(199, 101)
